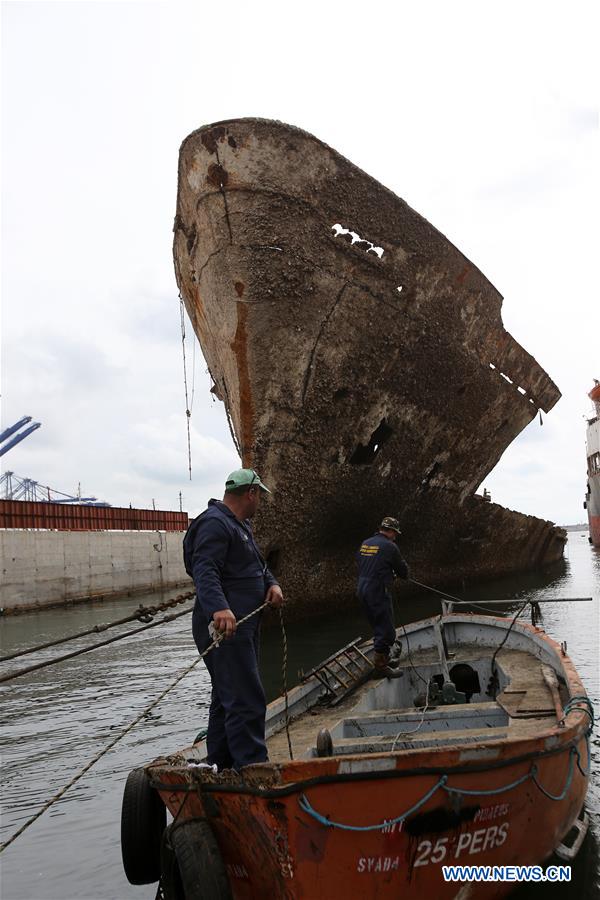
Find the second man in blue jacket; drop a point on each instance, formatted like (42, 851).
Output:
(379, 562)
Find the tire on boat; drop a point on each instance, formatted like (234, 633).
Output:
(143, 820)
(170, 878)
(201, 868)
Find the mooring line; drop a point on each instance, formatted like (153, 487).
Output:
(122, 734)
(284, 680)
(142, 614)
(448, 596)
(119, 637)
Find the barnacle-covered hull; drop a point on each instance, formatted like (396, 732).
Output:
(361, 358)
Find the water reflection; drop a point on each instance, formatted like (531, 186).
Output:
(57, 719)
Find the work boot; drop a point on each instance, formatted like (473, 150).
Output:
(395, 651)
(382, 667)
(380, 660)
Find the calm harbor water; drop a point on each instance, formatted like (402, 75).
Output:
(57, 719)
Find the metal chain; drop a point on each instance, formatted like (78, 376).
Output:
(119, 637)
(142, 614)
(284, 682)
(121, 734)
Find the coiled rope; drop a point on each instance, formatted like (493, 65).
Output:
(121, 734)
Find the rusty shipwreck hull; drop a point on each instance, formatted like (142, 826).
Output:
(360, 356)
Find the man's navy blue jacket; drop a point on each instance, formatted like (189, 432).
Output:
(380, 560)
(228, 569)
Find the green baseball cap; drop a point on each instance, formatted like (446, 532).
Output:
(244, 478)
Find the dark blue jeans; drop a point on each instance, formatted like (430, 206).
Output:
(236, 722)
(377, 603)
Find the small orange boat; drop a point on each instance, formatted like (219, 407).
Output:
(475, 754)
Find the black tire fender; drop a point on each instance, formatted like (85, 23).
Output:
(143, 820)
(201, 868)
(170, 879)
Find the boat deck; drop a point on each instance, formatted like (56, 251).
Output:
(530, 693)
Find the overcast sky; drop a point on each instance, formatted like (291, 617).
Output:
(482, 116)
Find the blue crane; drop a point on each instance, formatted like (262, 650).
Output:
(13, 487)
(5, 447)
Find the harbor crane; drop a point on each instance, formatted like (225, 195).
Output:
(9, 432)
(12, 487)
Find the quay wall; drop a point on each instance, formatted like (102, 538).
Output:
(40, 568)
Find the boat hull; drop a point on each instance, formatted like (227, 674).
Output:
(383, 824)
(361, 359)
(272, 847)
(592, 499)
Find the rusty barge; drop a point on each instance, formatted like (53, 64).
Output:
(479, 754)
(361, 359)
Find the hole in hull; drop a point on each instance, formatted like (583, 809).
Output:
(365, 454)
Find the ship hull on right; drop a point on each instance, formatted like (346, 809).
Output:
(592, 497)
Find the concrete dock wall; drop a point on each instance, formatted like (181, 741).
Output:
(48, 568)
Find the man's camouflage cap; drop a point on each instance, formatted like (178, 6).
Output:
(390, 524)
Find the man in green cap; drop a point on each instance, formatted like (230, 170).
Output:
(232, 579)
(379, 562)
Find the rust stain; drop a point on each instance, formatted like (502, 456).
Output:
(463, 274)
(198, 314)
(210, 138)
(240, 348)
(239, 288)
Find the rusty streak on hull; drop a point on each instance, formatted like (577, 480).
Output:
(364, 367)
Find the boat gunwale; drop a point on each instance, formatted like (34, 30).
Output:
(291, 787)
(566, 733)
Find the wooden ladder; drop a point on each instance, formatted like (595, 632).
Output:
(342, 672)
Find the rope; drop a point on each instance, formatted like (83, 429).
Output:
(51, 662)
(442, 783)
(448, 596)
(414, 730)
(284, 682)
(573, 705)
(494, 679)
(187, 405)
(142, 614)
(305, 805)
(415, 670)
(565, 790)
(589, 758)
(121, 735)
(492, 791)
